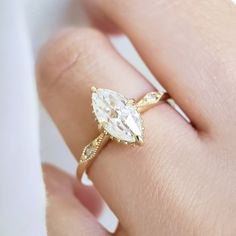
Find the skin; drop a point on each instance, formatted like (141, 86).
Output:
(183, 180)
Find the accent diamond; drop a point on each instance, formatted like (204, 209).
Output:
(90, 150)
(117, 116)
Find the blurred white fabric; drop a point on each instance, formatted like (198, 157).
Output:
(22, 198)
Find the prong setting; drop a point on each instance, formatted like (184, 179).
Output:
(93, 89)
(131, 101)
(139, 140)
(101, 126)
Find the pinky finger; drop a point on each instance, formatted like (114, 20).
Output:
(66, 215)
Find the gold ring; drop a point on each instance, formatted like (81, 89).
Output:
(118, 118)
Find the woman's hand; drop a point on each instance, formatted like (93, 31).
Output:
(183, 180)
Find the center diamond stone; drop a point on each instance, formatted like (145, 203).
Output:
(119, 118)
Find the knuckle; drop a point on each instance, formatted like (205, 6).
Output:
(72, 48)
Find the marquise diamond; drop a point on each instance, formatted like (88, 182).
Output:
(117, 116)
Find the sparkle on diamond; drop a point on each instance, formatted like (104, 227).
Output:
(120, 119)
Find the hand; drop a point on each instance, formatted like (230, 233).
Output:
(183, 180)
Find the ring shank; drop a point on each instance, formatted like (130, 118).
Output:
(95, 146)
